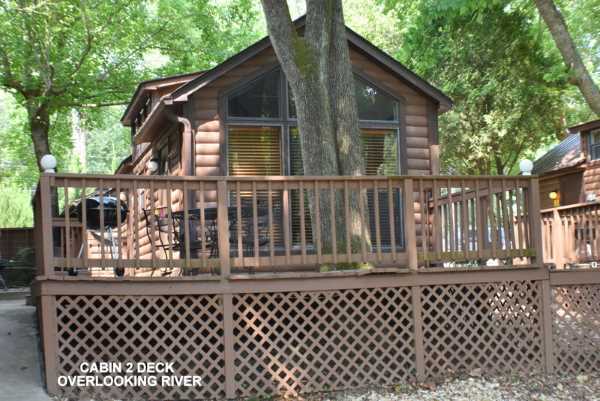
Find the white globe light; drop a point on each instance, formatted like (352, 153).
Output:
(526, 166)
(152, 166)
(48, 163)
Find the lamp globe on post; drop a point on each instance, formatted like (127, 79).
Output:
(48, 163)
(152, 166)
(526, 166)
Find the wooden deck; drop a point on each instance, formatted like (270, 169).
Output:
(211, 226)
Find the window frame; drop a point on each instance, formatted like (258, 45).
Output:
(285, 122)
(594, 145)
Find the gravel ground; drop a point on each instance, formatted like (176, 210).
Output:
(513, 388)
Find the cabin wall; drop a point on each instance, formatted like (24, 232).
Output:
(569, 186)
(591, 178)
(419, 112)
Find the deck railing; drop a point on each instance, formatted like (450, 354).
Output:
(211, 226)
(570, 234)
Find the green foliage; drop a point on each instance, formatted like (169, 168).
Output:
(498, 62)
(15, 203)
(490, 60)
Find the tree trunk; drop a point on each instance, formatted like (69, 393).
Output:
(317, 67)
(558, 28)
(39, 124)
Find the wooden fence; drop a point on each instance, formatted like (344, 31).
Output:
(14, 239)
(571, 234)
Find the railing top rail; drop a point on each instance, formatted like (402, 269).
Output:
(280, 177)
(573, 206)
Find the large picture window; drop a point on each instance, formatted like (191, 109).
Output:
(263, 139)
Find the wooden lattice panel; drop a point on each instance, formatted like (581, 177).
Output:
(576, 328)
(186, 330)
(492, 326)
(301, 342)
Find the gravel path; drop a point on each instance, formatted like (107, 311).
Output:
(516, 388)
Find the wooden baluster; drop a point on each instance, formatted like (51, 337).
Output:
(238, 222)
(424, 222)
(507, 232)
(152, 231)
(437, 228)
(271, 235)
(119, 245)
(451, 225)
(520, 217)
(255, 224)
(479, 205)
(317, 223)
(392, 219)
(186, 225)
(333, 222)
(348, 222)
(493, 228)
(203, 238)
(377, 219)
(67, 225)
(136, 219)
(102, 231)
(302, 224)
(286, 222)
(169, 225)
(465, 220)
(363, 229)
(84, 233)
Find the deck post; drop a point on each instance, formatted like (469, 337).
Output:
(46, 245)
(409, 224)
(547, 326)
(223, 229)
(418, 332)
(535, 220)
(49, 341)
(229, 349)
(557, 240)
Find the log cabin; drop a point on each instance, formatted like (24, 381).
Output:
(570, 171)
(215, 178)
(569, 175)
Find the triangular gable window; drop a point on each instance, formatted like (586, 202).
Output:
(373, 104)
(259, 99)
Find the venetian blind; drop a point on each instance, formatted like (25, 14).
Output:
(254, 151)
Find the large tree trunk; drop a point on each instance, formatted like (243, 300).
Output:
(571, 56)
(39, 124)
(317, 67)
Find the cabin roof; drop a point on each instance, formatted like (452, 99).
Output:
(587, 126)
(181, 93)
(564, 155)
(150, 84)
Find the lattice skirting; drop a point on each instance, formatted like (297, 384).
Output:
(298, 342)
(187, 330)
(576, 328)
